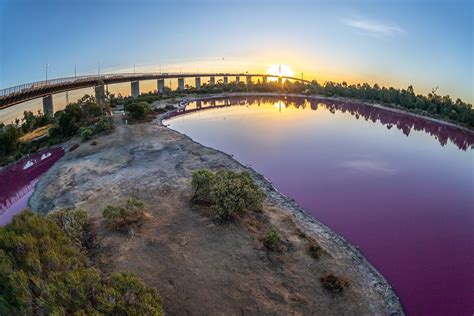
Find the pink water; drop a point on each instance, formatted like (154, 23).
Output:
(17, 184)
(399, 187)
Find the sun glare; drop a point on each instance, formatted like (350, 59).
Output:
(280, 70)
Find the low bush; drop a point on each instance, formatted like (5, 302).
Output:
(137, 110)
(201, 182)
(333, 283)
(104, 124)
(42, 272)
(86, 133)
(118, 217)
(227, 191)
(272, 239)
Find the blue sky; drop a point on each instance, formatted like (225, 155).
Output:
(397, 43)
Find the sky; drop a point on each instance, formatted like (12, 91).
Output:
(426, 44)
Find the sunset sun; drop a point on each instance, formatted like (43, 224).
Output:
(280, 70)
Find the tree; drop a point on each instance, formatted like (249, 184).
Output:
(9, 139)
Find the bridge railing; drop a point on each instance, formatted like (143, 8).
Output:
(137, 76)
(37, 84)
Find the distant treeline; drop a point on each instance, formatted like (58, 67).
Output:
(439, 106)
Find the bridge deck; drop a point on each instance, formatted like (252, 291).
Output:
(26, 92)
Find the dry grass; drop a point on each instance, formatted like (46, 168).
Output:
(39, 132)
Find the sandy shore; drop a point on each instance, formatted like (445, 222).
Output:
(198, 266)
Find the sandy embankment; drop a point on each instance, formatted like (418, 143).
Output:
(198, 266)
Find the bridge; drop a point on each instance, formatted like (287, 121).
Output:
(45, 89)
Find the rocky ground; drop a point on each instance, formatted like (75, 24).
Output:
(201, 267)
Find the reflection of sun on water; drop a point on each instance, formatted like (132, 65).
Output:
(280, 70)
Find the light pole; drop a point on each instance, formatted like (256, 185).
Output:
(75, 71)
(47, 73)
(98, 68)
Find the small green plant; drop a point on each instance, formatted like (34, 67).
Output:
(272, 239)
(227, 191)
(85, 133)
(118, 217)
(332, 283)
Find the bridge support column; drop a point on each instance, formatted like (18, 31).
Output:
(48, 105)
(226, 80)
(280, 80)
(135, 86)
(249, 79)
(197, 81)
(237, 79)
(212, 80)
(265, 79)
(160, 85)
(180, 84)
(198, 104)
(100, 95)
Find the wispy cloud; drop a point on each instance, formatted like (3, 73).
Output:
(369, 166)
(371, 27)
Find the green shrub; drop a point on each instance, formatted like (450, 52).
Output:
(129, 296)
(201, 182)
(118, 217)
(9, 139)
(104, 124)
(86, 133)
(137, 110)
(42, 272)
(333, 283)
(227, 191)
(74, 223)
(272, 239)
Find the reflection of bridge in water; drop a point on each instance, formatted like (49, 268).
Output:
(462, 138)
(45, 89)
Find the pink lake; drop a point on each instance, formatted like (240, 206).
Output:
(18, 180)
(397, 186)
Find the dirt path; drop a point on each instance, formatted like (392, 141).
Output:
(200, 267)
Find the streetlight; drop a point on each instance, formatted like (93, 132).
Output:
(47, 73)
